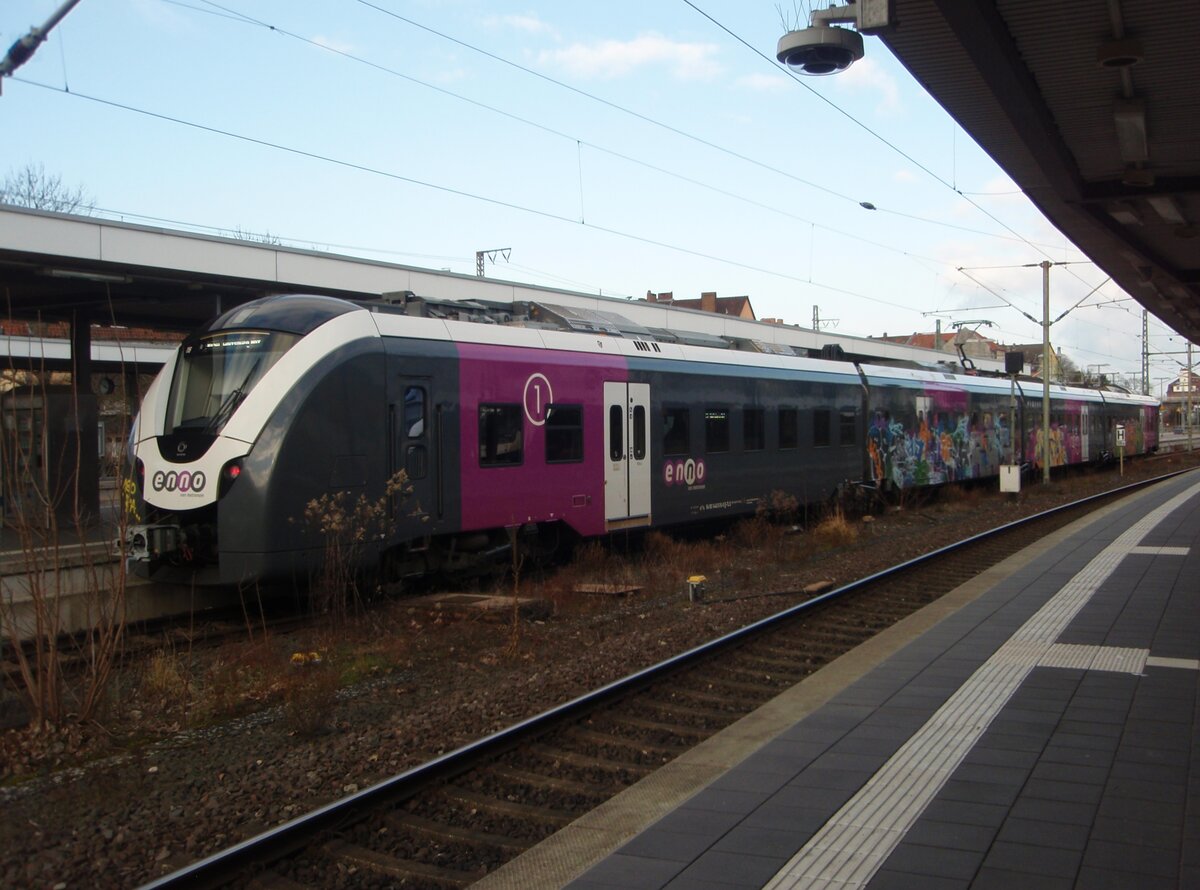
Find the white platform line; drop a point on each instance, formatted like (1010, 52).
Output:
(853, 845)
(1096, 658)
(1162, 551)
(1186, 664)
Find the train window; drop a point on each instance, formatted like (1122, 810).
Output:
(564, 434)
(676, 431)
(616, 433)
(639, 432)
(789, 428)
(848, 426)
(716, 430)
(821, 427)
(215, 373)
(414, 412)
(501, 431)
(754, 429)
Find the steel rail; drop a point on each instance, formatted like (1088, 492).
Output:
(219, 868)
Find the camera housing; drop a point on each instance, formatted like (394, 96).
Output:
(820, 49)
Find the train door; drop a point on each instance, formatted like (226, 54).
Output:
(627, 454)
(416, 454)
(1085, 432)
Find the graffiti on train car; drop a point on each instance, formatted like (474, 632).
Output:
(937, 446)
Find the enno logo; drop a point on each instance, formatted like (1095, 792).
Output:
(182, 482)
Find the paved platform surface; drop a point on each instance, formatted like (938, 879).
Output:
(1039, 729)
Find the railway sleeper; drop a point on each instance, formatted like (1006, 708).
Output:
(762, 679)
(847, 637)
(675, 730)
(507, 808)
(733, 705)
(585, 761)
(784, 662)
(538, 780)
(608, 740)
(392, 867)
(408, 823)
(271, 881)
(762, 692)
(671, 708)
(788, 672)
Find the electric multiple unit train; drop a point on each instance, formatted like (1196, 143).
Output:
(535, 426)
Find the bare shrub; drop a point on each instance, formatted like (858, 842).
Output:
(42, 472)
(345, 528)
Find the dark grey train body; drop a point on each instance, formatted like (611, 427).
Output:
(499, 428)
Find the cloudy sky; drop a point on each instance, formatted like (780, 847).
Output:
(616, 148)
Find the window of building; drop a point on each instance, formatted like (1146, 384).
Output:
(676, 431)
(564, 434)
(789, 428)
(822, 424)
(716, 430)
(501, 429)
(754, 429)
(848, 423)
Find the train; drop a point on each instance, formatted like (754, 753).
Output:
(475, 427)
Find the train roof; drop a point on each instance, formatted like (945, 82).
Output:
(573, 329)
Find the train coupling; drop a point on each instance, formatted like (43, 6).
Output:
(149, 543)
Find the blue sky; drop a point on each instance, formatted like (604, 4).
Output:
(615, 148)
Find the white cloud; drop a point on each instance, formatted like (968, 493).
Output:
(905, 176)
(336, 45)
(866, 75)
(614, 58)
(530, 24)
(762, 82)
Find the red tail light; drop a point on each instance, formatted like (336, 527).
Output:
(229, 474)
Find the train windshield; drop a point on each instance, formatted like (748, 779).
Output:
(215, 373)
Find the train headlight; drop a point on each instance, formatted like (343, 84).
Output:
(229, 474)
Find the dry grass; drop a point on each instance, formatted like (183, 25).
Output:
(835, 530)
(166, 677)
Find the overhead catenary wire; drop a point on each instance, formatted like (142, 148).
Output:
(224, 12)
(829, 102)
(240, 17)
(462, 193)
(699, 139)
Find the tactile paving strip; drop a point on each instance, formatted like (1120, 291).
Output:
(858, 839)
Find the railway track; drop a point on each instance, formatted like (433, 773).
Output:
(449, 822)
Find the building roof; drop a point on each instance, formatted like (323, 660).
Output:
(738, 307)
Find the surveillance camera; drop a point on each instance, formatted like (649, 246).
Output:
(820, 50)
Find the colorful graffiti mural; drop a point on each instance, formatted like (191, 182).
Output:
(937, 446)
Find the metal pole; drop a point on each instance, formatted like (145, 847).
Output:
(1045, 264)
(21, 51)
(1190, 383)
(1145, 353)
